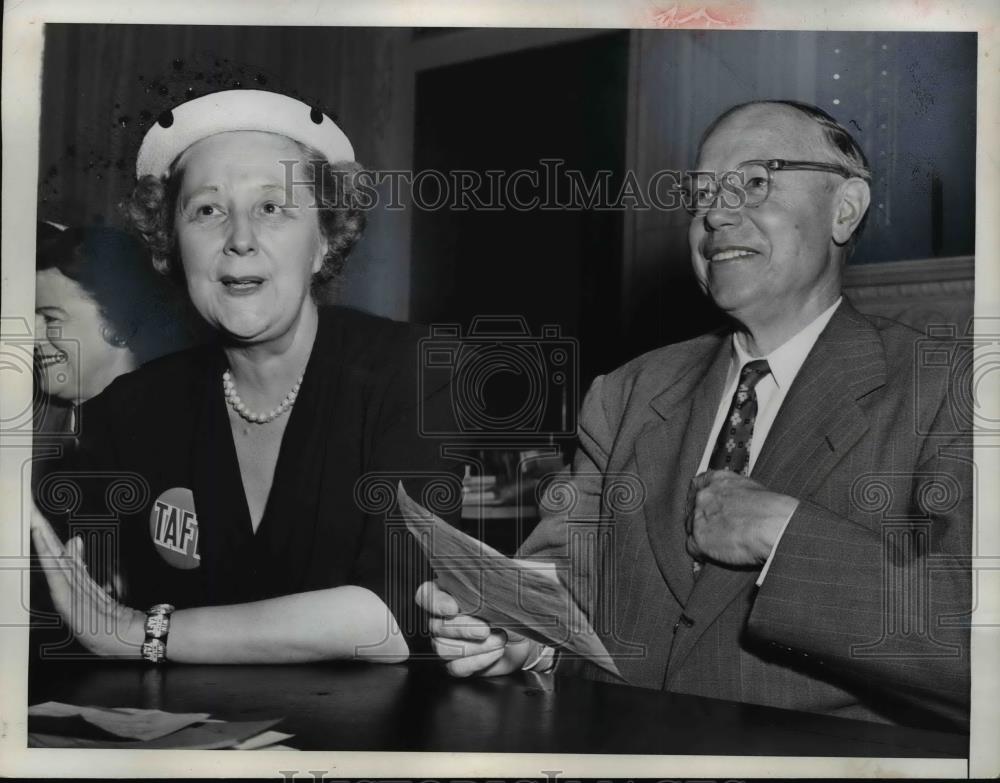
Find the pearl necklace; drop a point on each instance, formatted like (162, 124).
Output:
(229, 390)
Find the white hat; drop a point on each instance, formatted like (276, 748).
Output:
(238, 110)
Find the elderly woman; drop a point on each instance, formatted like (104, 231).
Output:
(244, 536)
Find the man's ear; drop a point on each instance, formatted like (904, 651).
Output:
(854, 196)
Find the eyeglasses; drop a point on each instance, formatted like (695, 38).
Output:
(748, 185)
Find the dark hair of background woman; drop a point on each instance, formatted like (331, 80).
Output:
(140, 307)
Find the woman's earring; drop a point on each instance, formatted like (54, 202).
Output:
(113, 337)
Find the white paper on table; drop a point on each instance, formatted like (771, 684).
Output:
(266, 739)
(211, 735)
(127, 722)
(526, 597)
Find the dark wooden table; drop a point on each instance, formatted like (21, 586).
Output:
(417, 707)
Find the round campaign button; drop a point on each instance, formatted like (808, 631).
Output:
(173, 528)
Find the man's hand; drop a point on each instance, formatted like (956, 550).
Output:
(732, 520)
(468, 644)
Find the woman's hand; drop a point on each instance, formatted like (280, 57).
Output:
(468, 644)
(101, 624)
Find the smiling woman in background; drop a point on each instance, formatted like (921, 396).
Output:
(100, 310)
(246, 539)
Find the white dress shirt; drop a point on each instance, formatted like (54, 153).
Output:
(785, 363)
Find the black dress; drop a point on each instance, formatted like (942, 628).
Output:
(157, 461)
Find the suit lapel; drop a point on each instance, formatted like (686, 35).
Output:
(819, 421)
(820, 418)
(667, 455)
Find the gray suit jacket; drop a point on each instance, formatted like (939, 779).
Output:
(864, 610)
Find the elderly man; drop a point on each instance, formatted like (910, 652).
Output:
(806, 489)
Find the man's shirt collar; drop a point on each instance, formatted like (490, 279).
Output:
(786, 360)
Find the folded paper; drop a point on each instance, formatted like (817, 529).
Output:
(524, 597)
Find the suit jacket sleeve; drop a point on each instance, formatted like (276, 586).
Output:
(572, 511)
(886, 609)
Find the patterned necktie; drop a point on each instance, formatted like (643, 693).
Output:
(732, 449)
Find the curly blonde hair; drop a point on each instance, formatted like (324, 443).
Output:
(151, 206)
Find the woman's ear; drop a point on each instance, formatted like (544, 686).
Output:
(854, 196)
(117, 337)
(324, 248)
(320, 256)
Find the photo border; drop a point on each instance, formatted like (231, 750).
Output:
(22, 67)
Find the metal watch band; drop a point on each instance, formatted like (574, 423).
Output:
(154, 651)
(157, 627)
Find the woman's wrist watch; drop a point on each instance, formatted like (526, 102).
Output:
(154, 649)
